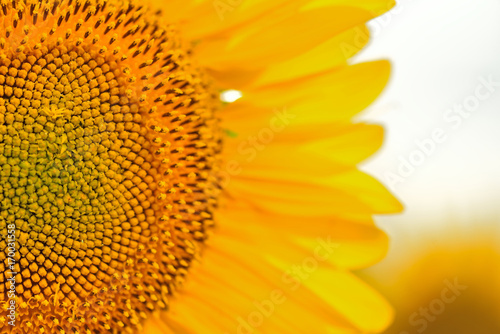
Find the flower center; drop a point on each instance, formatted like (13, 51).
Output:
(108, 164)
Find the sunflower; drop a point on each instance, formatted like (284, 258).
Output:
(134, 200)
(447, 287)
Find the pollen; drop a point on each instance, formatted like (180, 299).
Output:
(109, 155)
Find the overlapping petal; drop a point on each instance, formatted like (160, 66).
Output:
(290, 170)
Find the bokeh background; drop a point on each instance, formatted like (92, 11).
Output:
(442, 52)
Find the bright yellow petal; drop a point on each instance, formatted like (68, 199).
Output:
(282, 40)
(229, 292)
(327, 55)
(360, 243)
(366, 308)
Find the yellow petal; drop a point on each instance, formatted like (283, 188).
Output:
(332, 149)
(227, 288)
(350, 145)
(360, 244)
(377, 7)
(331, 90)
(222, 17)
(282, 40)
(319, 99)
(293, 195)
(366, 308)
(369, 190)
(327, 55)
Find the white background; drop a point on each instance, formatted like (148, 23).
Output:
(438, 50)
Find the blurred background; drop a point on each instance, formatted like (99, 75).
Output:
(441, 111)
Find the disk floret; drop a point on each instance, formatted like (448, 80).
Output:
(108, 163)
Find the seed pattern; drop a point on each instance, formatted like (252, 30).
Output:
(109, 154)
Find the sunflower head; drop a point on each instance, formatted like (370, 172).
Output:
(108, 163)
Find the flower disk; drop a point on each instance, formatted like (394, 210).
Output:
(109, 149)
